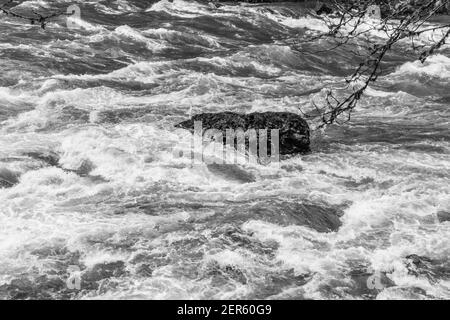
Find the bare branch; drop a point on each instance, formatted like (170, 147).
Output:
(351, 29)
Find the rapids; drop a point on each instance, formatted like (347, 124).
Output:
(86, 140)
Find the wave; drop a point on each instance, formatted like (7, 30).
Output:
(89, 176)
(128, 32)
(186, 9)
(437, 66)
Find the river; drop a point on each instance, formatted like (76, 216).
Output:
(86, 139)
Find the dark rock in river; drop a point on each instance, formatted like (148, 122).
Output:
(322, 8)
(443, 216)
(8, 178)
(294, 130)
(48, 157)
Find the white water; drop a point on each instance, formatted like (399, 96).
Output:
(179, 231)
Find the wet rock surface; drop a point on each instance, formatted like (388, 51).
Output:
(443, 216)
(8, 178)
(293, 130)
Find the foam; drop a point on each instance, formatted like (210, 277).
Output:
(437, 66)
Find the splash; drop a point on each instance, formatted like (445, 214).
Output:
(88, 176)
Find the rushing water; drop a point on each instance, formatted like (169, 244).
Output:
(91, 182)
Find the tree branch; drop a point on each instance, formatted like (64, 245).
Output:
(351, 27)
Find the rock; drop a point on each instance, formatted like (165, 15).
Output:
(47, 157)
(322, 8)
(293, 134)
(50, 158)
(443, 216)
(8, 178)
(84, 169)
